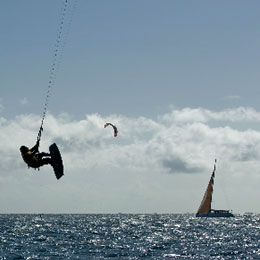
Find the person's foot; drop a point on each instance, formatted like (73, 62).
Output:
(53, 164)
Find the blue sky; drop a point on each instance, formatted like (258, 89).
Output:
(178, 78)
(133, 57)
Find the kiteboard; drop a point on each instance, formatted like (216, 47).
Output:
(57, 160)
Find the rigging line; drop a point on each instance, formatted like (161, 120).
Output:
(58, 48)
(65, 37)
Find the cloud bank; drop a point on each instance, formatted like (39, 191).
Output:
(104, 173)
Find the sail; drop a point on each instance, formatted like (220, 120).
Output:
(205, 206)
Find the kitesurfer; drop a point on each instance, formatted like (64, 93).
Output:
(33, 158)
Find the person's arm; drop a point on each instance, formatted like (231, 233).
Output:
(35, 148)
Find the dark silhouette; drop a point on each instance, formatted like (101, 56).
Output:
(33, 158)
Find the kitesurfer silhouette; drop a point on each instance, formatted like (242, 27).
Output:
(33, 158)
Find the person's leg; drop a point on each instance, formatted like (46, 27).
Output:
(40, 155)
(45, 161)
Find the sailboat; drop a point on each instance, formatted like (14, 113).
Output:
(205, 209)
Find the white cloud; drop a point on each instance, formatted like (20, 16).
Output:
(232, 97)
(165, 158)
(204, 115)
(23, 101)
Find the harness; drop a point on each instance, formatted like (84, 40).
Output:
(31, 160)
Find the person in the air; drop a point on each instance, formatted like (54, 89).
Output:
(33, 158)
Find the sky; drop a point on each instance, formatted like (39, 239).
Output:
(178, 78)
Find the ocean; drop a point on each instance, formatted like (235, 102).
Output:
(128, 236)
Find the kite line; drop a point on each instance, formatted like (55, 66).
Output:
(57, 56)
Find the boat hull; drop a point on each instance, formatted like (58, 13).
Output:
(215, 215)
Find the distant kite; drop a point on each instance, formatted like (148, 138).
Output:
(114, 127)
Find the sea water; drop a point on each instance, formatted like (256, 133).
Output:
(128, 236)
